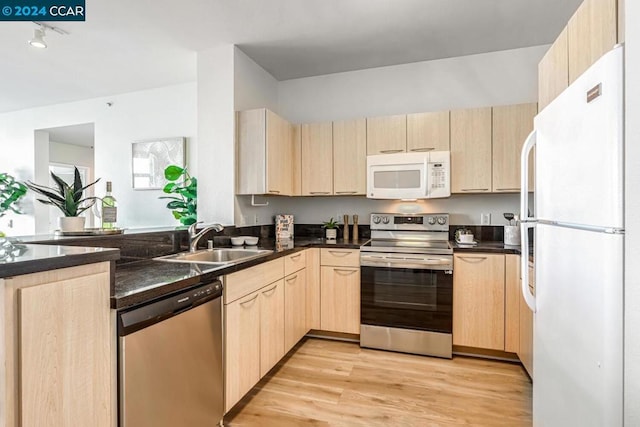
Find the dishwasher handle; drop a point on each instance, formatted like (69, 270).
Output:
(149, 314)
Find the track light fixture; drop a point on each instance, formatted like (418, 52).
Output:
(38, 38)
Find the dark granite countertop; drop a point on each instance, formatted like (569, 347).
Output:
(143, 281)
(48, 238)
(26, 259)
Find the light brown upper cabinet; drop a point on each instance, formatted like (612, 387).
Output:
(264, 153)
(297, 160)
(387, 134)
(428, 131)
(592, 31)
(350, 157)
(511, 126)
(553, 71)
(317, 159)
(471, 150)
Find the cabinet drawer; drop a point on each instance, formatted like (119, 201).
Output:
(340, 257)
(237, 285)
(295, 262)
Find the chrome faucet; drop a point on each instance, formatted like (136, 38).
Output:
(195, 237)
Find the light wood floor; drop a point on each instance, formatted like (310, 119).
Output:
(332, 383)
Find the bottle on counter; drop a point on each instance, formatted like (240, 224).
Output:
(109, 209)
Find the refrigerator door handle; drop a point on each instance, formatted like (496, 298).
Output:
(528, 145)
(524, 265)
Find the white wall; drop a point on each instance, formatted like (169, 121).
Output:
(168, 111)
(464, 209)
(253, 86)
(632, 216)
(216, 133)
(496, 78)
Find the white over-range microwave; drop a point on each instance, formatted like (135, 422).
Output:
(409, 175)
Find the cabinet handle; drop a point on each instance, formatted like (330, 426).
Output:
(295, 256)
(274, 191)
(249, 300)
(391, 151)
(475, 189)
(339, 253)
(346, 192)
(476, 258)
(423, 149)
(507, 189)
(292, 279)
(344, 271)
(269, 290)
(319, 192)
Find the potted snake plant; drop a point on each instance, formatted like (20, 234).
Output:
(68, 198)
(331, 228)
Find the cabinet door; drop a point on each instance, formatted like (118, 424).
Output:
(294, 309)
(387, 135)
(242, 347)
(340, 299)
(471, 150)
(279, 149)
(511, 126)
(317, 159)
(553, 71)
(350, 157)
(512, 297)
(313, 288)
(428, 131)
(525, 350)
(478, 300)
(592, 31)
(296, 189)
(271, 326)
(65, 353)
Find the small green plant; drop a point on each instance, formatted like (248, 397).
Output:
(67, 198)
(184, 204)
(11, 191)
(330, 224)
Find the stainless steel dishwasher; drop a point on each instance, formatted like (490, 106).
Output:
(170, 360)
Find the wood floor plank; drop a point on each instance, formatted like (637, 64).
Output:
(333, 383)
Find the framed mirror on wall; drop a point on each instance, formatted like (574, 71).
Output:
(151, 157)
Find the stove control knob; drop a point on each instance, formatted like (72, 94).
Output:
(431, 220)
(376, 220)
(442, 220)
(385, 220)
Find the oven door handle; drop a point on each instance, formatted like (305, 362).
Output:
(406, 262)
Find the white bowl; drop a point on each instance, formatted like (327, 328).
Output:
(251, 241)
(237, 241)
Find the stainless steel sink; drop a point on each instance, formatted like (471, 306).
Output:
(223, 256)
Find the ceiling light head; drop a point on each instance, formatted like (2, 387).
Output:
(38, 39)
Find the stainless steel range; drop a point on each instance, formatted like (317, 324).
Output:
(407, 284)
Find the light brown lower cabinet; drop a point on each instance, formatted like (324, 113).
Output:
(340, 299)
(313, 288)
(478, 300)
(295, 309)
(242, 347)
(512, 297)
(272, 325)
(59, 355)
(525, 350)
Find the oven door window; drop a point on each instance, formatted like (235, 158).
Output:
(407, 298)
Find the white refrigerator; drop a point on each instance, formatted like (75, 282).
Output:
(578, 237)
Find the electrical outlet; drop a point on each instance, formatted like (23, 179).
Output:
(255, 219)
(485, 219)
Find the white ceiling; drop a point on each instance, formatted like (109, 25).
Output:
(132, 45)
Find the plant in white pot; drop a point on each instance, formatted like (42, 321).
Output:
(331, 228)
(67, 198)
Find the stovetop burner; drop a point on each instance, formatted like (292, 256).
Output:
(409, 233)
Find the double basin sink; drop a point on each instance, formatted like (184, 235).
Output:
(217, 258)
